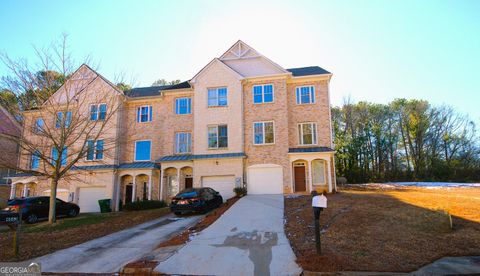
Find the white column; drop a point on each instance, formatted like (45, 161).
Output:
(161, 184)
(309, 162)
(12, 190)
(24, 192)
(134, 189)
(150, 187)
(178, 180)
(329, 176)
(292, 181)
(118, 186)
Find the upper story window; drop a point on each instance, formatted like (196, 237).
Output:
(63, 118)
(63, 156)
(142, 150)
(94, 150)
(39, 124)
(183, 106)
(217, 96)
(183, 142)
(305, 95)
(263, 93)
(307, 133)
(98, 112)
(217, 136)
(263, 133)
(35, 160)
(144, 114)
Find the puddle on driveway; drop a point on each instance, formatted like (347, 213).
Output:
(259, 246)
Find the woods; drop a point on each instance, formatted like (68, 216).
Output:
(404, 140)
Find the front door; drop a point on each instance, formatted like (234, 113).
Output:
(300, 180)
(188, 182)
(128, 193)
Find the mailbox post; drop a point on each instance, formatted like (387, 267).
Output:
(13, 221)
(319, 202)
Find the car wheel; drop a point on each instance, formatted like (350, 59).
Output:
(32, 218)
(72, 213)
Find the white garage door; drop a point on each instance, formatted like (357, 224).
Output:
(265, 179)
(88, 198)
(222, 184)
(61, 194)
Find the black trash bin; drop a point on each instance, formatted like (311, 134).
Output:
(104, 205)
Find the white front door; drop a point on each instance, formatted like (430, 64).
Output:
(265, 179)
(88, 198)
(222, 184)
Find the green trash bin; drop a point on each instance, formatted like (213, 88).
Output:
(104, 205)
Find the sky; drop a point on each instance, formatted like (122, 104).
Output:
(376, 50)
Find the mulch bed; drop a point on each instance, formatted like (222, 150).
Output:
(36, 244)
(393, 230)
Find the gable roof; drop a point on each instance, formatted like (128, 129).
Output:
(9, 125)
(307, 71)
(216, 60)
(151, 91)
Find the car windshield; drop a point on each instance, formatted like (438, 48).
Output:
(188, 193)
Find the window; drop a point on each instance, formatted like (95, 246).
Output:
(217, 97)
(63, 155)
(142, 150)
(98, 112)
(35, 161)
(263, 93)
(94, 150)
(144, 114)
(39, 123)
(305, 95)
(307, 133)
(318, 171)
(263, 133)
(217, 136)
(183, 142)
(183, 106)
(63, 118)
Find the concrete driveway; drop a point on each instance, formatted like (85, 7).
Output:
(248, 239)
(110, 253)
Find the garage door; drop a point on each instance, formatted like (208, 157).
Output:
(61, 194)
(222, 184)
(88, 198)
(265, 179)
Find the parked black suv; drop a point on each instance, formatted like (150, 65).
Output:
(196, 200)
(36, 208)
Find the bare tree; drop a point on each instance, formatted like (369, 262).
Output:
(64, 123)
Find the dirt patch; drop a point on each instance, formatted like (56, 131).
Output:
(42, 239)
(209, 219)
(385, 229)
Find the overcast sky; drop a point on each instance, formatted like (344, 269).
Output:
(376, 50)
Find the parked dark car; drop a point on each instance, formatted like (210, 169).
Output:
(36, 208)
(196, 200)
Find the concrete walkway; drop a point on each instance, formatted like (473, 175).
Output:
(451, 266)
(110, 253)
(248, 239)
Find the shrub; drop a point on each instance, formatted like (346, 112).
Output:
(144, 205)
(240, 191)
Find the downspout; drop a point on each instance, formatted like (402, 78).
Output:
(334, 184)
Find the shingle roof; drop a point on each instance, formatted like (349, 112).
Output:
(139, 165)
(151, 91)
(188, 157)
(93, 167)
(314, 149)
(307, 71)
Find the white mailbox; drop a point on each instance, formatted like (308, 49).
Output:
(319, 201)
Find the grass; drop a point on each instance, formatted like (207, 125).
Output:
(66, 223)
(398, 229)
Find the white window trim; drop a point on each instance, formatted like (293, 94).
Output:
(148, 114)
(36, 130)
(98, 111)
(135, 150)
(177, 144)
(217, 105)
(180, 98)
(263, 129)
(95, 152)
(300, 139)
(218, 137)
(312, 99)
(263, 93)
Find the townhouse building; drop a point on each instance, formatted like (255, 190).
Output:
(242, 120)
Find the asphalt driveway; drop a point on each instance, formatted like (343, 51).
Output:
(248, 239)
(110, 253)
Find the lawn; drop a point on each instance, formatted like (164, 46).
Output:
(399, 229)
(41, 238)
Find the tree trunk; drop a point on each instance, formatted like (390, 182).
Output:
(52, 218)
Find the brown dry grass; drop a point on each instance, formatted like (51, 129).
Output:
(385, 230)
(41, 239)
